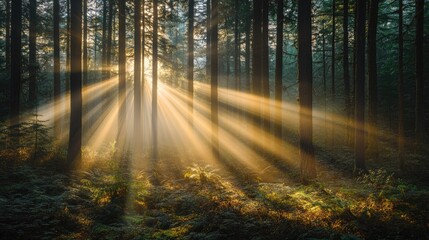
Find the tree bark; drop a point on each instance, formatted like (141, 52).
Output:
(15, 62)
(419, 129)
(121, 70)
(74, 154)
(32, 59)
(137, 75)
(190, 69)
(279, 69)
(7, 44)
(334, 35)
(346, 73)
(360, 87)
(372, 77)
(214, 68)
(401, 89)
(305, 78)
(57, 73)
(155, 81)
(257, 55)
(85, 43)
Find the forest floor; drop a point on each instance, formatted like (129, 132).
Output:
(106, 202)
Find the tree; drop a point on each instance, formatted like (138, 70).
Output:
(419, 118)
(372, 75)
(360, 87)
(190, 69)
(279, 68)
(265, 64)
(7, 35)
(155, 81)
(305, 78)
(257, 53)
(346, 74)
(208, 49)
(32, 61)
(74, 154)
(333, 68)
(85, 43)
(122, 69)
(401, 86)
(15, 62)
(214, 68)
(57, 74)
(137, 73)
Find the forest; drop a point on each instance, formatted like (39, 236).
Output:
(214, 119)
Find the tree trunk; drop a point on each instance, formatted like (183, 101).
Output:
(109, 37)
(334, 29)
(236, 46)
(419, 70)
(137, 75)
(104, 40)
(265, 66)
(57, 70)
(372, 78)
(257, 55)
(190, 69)
(32, 59)
(121, 70)
(214, 68)
(208, 49)
(7, 44)
(360, 87)
(305, 78)
(279, 70)
(67, 80)
(155, 81)
(85, 43)
(401, 90)
(346, 74)
(15, 62)
(74, 154)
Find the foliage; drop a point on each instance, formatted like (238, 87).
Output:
(201, 175)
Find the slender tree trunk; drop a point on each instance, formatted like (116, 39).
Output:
(360, 87)
(419, 129)
(334, 35)
(104, 40)
(15, 62)
(155, 81)
(305, 78)
(7, 44)
(214, 68)
(401, 88)
(247, 55)
(109, 37)
(32, 59)
(208, 49)
(236, 46)
(324, 83)
(74, 154)
(346, 73)
(257, 55)
(67, 80)
(279, 69)
(372, 78)
(85, 43)
(137, 75)
(190, 70)
(143, 34)
(57, 73)
(265, 66)
(122, 70)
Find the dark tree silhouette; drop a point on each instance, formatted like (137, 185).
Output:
(279, 68)
(15, 62)
(305, 78)
(214, 68)
(419, 70)
(155, 81)
(32, 60)
(360, 87)
(137, 74)
(190, 69)
(401, 89)
(57, 73)
(74, 154)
